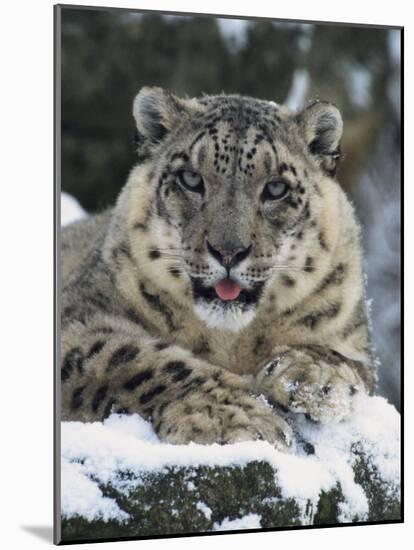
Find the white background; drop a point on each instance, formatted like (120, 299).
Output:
(26, 124)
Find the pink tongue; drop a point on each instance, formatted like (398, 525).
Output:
(227, 290)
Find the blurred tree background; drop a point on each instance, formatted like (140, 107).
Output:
(107, 56)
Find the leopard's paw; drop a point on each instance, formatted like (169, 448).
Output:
(227, 418)
(317, 384)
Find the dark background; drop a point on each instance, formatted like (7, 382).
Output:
(107, 56)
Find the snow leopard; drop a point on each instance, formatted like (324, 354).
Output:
(225, 287)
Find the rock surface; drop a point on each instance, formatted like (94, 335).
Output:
(118, 480)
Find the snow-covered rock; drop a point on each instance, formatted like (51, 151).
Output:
(119, 480)
(70, 209)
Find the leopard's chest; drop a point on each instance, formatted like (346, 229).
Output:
(244, 352)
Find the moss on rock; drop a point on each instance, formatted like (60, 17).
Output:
(197, 499)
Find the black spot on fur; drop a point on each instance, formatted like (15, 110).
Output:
(139, 379)
(197, 138)
(134, 317)
(175, 271)
(95, 348)
(291, 202)
(100, 301)
(174, 366)
(157, 426)
(140, 225)
(154, 254)
(335, 277)
(147, 412)
(122, 410)
(260, 340)
(309, 265)
(322, 353)
(162, 408)
(182, 375)
(159, 346)
(108, 408)
(180, 156)
(68, 311)
(191, 386)
(271, 367)
(72, 360)
(312, 320)
(155, 302)
(306, 211)
(217, 377)
(146, 397)
(322, 240)
(122, 249)
(99, 396)
(357, 321)
(178, 369)
(283, 168)
(122, 355)
(77, 398)
(288, 281)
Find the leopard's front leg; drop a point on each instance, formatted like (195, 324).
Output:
(112, 366)
(314, 380)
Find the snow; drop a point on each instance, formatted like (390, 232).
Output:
(82, 496)
(204, 509)
(100, 451)
(249, 521)
(375, 427)
(295, 99)
(70, 209)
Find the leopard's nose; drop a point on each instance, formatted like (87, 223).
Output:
(229, 256)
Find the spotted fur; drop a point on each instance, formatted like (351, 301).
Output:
(143, 329)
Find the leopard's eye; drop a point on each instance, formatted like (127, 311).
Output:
(192, 181)
(275, 190)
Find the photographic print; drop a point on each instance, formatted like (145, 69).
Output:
(228, 326)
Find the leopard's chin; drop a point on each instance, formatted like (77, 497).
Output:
(229, 316)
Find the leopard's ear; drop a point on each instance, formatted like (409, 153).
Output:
(155, 111)
(321, 124)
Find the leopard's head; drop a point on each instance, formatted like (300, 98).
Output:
(229, 203)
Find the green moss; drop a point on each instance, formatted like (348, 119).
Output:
(327, 511)
(383, 497)
(229, 492)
